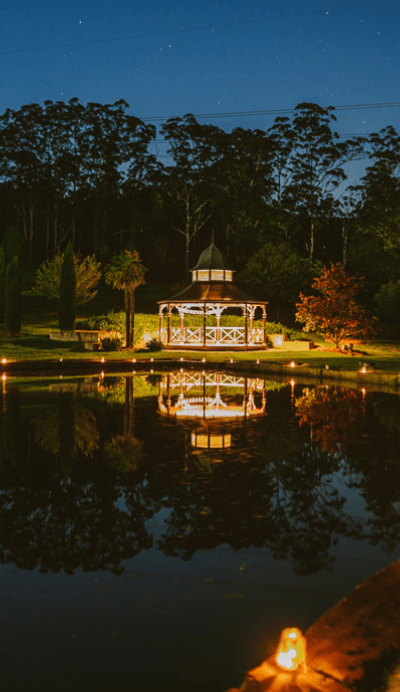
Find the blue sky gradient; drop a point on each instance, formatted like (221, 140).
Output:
(171, 58)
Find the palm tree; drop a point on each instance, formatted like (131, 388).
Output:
(126, 272)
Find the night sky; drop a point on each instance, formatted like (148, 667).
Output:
(171, 58)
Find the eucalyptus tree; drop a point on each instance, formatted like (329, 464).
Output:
(22, 163)
(64, 169)
(379, 206)
(188, 183)
(110, 141)
(242, 176)
(314, 169)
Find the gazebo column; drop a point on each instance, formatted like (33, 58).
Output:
(182, 328)
(218, 313)
(204, 325)
(246, 334)
(169, 324)
(251, 324)
(264, 318)
(160, 324)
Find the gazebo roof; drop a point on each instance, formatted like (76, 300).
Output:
(212, 292)
(211, 258)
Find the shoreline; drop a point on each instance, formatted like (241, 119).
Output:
(372, 378)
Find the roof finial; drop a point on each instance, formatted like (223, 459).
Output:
(212, 236)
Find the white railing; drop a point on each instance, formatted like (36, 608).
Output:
(256, 335)
(214, 335)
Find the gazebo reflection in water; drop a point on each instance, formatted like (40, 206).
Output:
(209, 402)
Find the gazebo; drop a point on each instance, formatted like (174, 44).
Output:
(210, 294)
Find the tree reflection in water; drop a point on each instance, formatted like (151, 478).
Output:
(279, 483)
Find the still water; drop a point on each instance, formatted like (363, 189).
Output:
(158, 531)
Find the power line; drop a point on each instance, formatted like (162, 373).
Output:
(183, 30)
(276, 111)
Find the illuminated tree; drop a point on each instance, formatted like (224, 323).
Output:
(87, 274)
(335, 312)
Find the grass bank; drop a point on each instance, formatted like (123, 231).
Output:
(39, 318)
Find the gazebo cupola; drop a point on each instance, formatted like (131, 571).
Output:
(212, 266)
(210, 294)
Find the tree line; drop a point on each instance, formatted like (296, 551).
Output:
(86, 174)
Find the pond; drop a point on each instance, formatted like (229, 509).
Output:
(157, 531)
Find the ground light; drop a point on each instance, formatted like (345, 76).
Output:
(291, 651)
(363, 370)
(292, 364)
(4, 361)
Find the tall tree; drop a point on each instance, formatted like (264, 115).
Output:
(243, 185)
(314, 166)
(194, 149)
(12, 306)
(2, 283)
(125, 272)
(379, 205)
(67, 305)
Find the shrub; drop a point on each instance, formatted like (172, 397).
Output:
(111, 322)
(154, 345)
(108, 344)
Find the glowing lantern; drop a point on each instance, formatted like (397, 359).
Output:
(291, 650)
(203, 360)
(134, 360)
(4, 361)
(151, 360)
(102, 360)
(4, 377)
(258, 362)
(363, 370)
